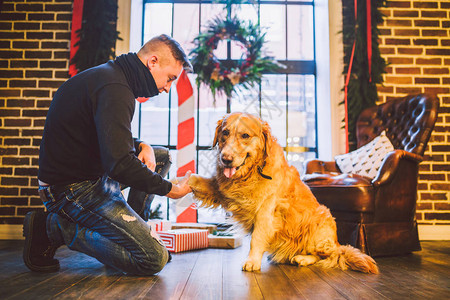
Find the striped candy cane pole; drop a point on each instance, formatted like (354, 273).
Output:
(185, 208)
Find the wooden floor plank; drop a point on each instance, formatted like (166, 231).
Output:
(311, 285)
(238, 284)
(205, 281)
(110, 287)
(74, 269)
(171, 281)
(397, 273)
(274, 283)
(346, 285)
(437, 252)
(216, 274)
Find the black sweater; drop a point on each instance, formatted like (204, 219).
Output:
(87, 132)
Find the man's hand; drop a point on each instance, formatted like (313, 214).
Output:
(147, 156)
(180, 186)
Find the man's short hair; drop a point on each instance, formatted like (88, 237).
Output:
(175, 48)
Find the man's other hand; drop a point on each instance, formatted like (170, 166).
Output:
(147, 156)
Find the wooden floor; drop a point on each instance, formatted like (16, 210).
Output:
(216, 274)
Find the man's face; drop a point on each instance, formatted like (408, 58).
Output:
(164, 74)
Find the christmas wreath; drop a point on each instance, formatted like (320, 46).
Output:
(225, 76)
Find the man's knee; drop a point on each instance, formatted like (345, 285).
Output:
(153, 264)
(163, 160)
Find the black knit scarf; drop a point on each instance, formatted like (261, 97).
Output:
(138, 76)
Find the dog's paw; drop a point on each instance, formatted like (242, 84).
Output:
(194, 180)
(251, 265)
(304, 260)
(326, 247)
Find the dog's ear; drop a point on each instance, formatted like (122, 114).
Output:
(268, 138)
(218, 129)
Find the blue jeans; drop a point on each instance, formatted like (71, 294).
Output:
(93, 217)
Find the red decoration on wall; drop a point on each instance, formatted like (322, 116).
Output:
(347, 80)
(369, 62)
(77, 19)
(369, 36)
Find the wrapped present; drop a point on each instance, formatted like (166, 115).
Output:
(224, 241)
(210, 227)
(160, 225)
(178, 240)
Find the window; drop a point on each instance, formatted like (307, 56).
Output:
(287, 100)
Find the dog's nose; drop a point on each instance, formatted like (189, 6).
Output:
(226, 161)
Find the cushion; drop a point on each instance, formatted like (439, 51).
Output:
(366, 160)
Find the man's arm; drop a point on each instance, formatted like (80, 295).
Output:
(113, 115)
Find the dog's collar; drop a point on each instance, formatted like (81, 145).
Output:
(260, 171)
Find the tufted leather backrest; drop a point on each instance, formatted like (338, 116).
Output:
(408, 122)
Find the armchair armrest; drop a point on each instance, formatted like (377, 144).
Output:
(319, 166)
(390, 164)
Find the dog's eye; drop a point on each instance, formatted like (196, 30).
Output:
(226, 132)
(245, 136)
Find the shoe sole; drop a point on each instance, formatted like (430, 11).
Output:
(27, 246)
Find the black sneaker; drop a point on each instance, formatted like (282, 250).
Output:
(38, 252)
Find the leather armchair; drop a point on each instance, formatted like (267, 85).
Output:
(378, 215)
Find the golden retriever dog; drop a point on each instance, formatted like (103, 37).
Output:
(266, 196)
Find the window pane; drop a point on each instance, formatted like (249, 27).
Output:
(157, 20)
(297, 159)
(211, 11)
(173, 115)
(210, 112)
(273, 21)
(300, 32)
(248, 12)
(273, 105)
(155, 120)
(246, 101)
(302, 111)
(286, 102)
(185, 24)
(206, 167)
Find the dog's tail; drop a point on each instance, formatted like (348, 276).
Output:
(346, 257)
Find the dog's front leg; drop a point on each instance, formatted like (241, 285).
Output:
(260, 238)
(205, 190)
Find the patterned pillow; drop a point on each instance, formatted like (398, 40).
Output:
(366, 160)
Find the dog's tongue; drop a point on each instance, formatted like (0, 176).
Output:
(228, 172)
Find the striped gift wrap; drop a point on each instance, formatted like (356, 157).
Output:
(178, 240)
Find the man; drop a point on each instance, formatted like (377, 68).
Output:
(87, 152)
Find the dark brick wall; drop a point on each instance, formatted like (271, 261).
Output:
(34, 53)
(415, 40)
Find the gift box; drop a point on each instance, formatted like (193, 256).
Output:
(210, 227)
(178, 240)
(160, 225)
(224, 241)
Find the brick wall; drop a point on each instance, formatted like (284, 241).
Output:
(34, 43)
(415, 41)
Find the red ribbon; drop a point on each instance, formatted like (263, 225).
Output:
(369, 37)
(369, 57)
(347, 80)
(77, 19)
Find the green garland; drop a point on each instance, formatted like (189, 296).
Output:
(98, 34)
(227, 76)
(362, 92)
